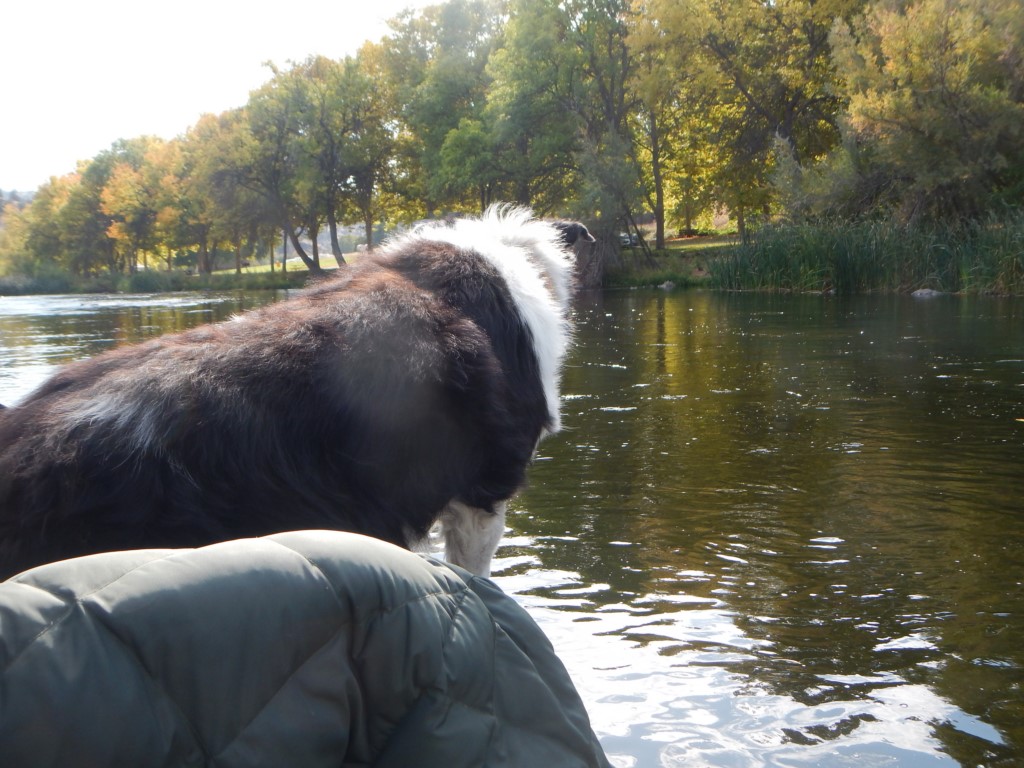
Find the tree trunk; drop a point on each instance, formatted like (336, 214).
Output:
(312, 266)
(368, 225)
(314, 234)
(332, 226)
(659, 186)
(203, 257)
(648, 256)
(591, 259)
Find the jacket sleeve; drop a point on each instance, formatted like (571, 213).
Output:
(304, 649)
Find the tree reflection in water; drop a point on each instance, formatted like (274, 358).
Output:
(786, 529)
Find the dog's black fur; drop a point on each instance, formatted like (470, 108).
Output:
(367, 404)
(573, 232)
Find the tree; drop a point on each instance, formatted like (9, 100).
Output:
(82, 225)
(31, 242)
(764, 72)
(564, 110)
(130, 198)
(163, 172)
(328, 115)
(437, 64)
(469, 160)
(219, 199)
(604, 103)
(277, 160)
(670, 126)
(14, 258)
(534, 130)
(936, 104)
(370, 140)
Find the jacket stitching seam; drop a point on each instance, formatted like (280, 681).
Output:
(69, 608)
(129, 652)
(342, 625)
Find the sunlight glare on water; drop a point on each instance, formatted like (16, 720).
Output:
(40, 333)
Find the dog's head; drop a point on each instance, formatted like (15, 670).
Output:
(573, 232)
(533, 258)
(532, 255)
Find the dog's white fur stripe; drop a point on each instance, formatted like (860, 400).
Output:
(529, 255)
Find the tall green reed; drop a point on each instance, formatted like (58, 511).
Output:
(885, 255)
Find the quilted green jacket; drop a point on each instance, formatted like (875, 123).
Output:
(312, 648)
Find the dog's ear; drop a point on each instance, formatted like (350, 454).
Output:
(572, 231)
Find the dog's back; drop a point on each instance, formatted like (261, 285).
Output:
(369, 403)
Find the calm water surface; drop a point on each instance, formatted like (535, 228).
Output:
(776, 530)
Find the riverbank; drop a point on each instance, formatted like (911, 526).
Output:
(837, 257)
(685, 262)
(840, 257)
(151, 281)
(985, 257)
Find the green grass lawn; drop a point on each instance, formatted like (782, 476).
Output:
(684, 261)
(295, 266)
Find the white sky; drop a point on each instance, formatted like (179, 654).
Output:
(80, 74)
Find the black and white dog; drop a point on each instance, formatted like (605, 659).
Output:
(412, 387)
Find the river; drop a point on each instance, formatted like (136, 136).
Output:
(776, 530)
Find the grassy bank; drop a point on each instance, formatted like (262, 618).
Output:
(149, 282)
(857, 257)
(685, 262)
(840, 257)
(256, 277)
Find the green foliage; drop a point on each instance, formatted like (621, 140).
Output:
(751, 74)
(610, 176)
(898, 119)
(846, 257)
(20, 284)
(935, 122)
(437, 63)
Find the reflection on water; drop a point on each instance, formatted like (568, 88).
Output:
(776, 530)
(787, 530)
(40, 333)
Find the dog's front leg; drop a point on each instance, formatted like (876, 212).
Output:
(471, 535)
